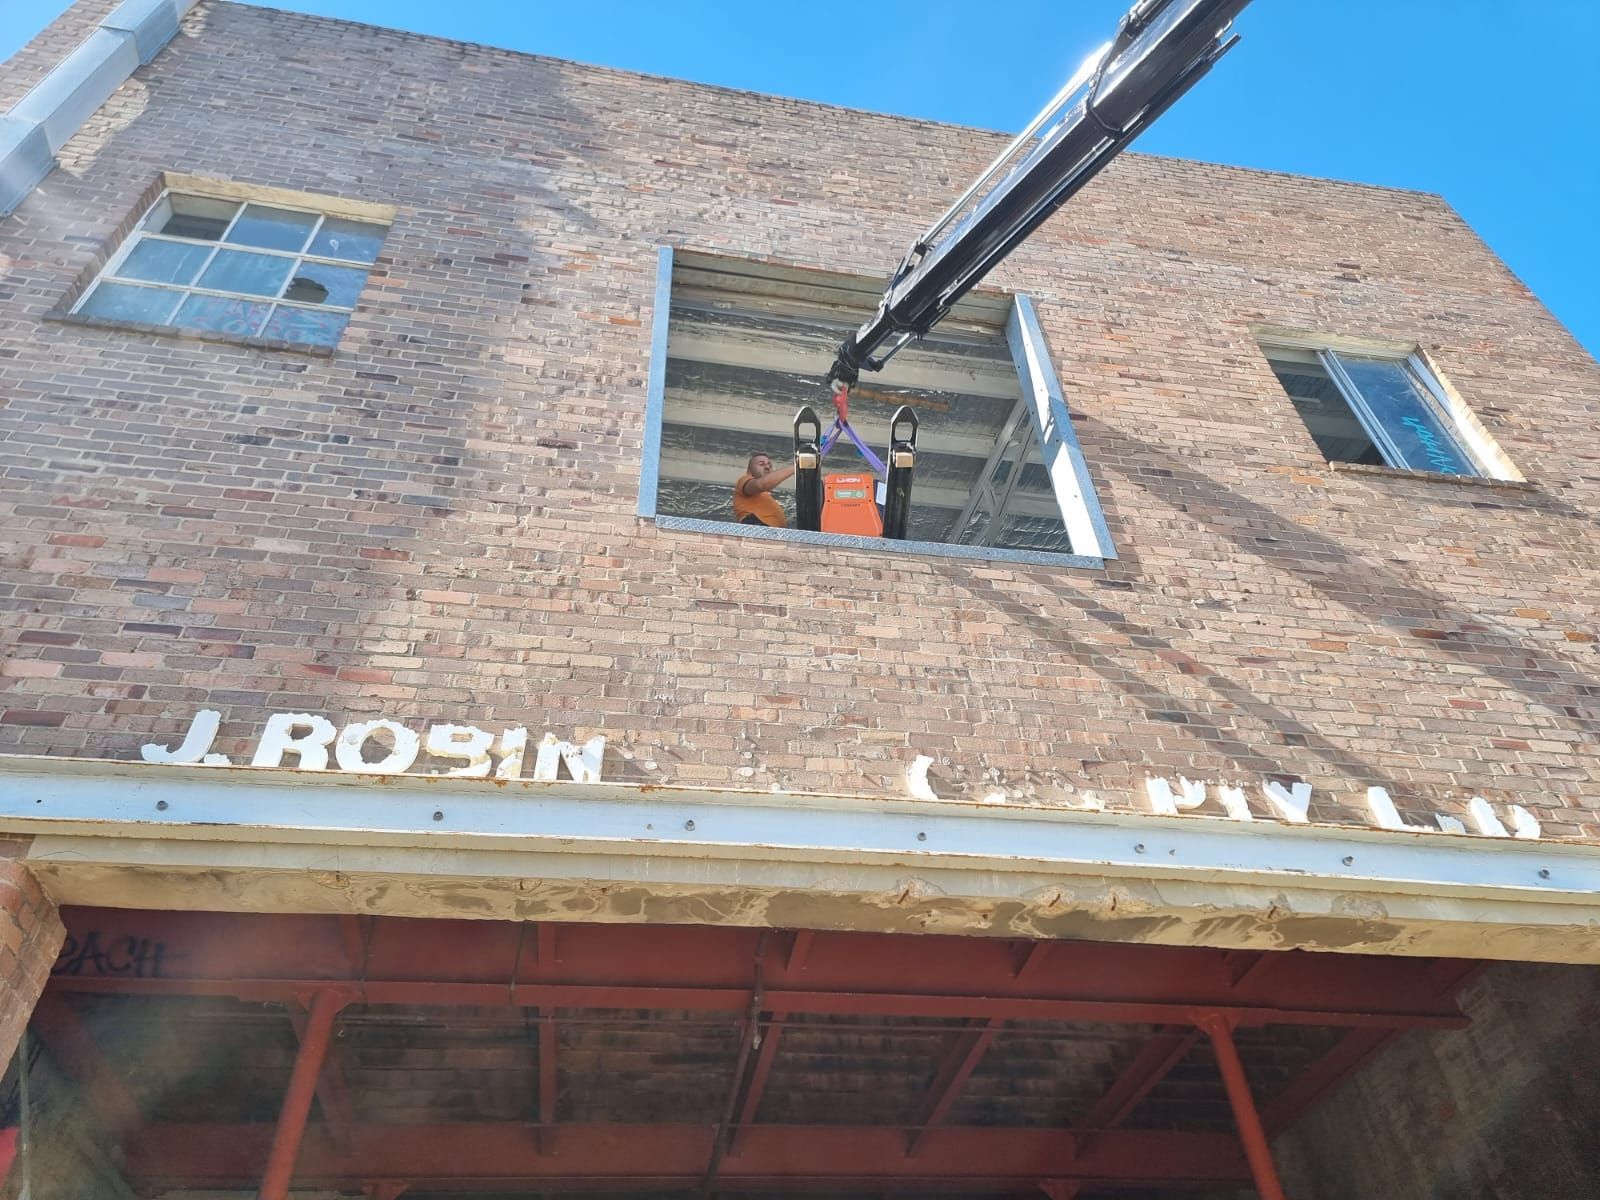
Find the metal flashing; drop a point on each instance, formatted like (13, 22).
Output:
(655, 396)
(173, 836)
(58, 105)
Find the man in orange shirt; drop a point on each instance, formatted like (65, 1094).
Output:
(753, 501)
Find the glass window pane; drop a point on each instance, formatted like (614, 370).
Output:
(164, 262)
(242, 318)
(195, 217)
(1337, 431)
(272, 228)
(1407, 415)
(121, 302)
(320, 328)
(318, 283)
(241, 271)
(353, 240)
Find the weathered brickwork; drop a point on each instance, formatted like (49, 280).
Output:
(31, 934)
(437, 522)
(1506, 1109)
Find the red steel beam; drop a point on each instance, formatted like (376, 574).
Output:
(425, 992)
(758, 1084)
(1254, 1138)
(962, 1058)
(58, 1025)
(333, 1094)
(800, 948)
(1147, 1068)
(1030, 960)
(291, 1127)
(413, 961)
(620, 1157)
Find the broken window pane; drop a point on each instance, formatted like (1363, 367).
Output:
(226, 288)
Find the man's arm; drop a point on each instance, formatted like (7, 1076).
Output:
(754, 487)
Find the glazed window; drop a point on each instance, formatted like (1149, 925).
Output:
(741, 346)
(239, 268)
(1383, 409)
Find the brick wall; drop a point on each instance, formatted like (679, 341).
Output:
(403, 529)
(1507, 1109)
(30, 938)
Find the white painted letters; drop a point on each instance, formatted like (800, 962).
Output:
(466, 742)
(917, 779)
(279, 737)
(1384, 813)
(1164, 802)
(396, 762)
(196, 744)
(582, 762)
(513, 745)
(1291, 805)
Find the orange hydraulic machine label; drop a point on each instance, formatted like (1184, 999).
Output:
(849, 505)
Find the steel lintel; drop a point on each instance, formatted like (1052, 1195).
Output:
(961, 1059)
(276, 957)
(618, 1157)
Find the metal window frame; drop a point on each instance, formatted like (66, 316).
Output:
(141, 233)
(1043, 399)
(1429, 389)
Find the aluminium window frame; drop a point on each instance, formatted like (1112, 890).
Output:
(1477, 447)
(140, 231)
(1046, 405)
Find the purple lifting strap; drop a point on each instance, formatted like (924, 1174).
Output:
(843, 427)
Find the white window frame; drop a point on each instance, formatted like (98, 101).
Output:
(1070, 480)
(137, 235)
(1476, 444)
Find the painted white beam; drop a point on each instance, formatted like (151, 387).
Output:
(42, 121)
(256, 839)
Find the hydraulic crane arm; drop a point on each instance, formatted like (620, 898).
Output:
(1161, 49)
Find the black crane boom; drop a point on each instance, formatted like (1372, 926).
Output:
(1162, 47)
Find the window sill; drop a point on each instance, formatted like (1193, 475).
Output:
(843, 541)
(190, 335)
(1518, 485)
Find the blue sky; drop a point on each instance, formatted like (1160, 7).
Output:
(1492, 103)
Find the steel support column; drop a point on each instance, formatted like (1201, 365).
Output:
(325, 1006)
(1256, 1150)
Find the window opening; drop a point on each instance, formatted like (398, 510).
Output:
(746, 349)
(1370, 408)
(238, 267)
